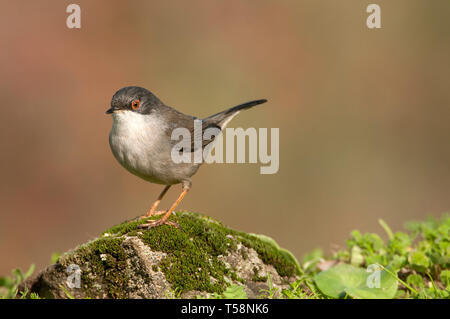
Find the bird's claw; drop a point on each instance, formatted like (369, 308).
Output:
(155, 213)
(159, 222)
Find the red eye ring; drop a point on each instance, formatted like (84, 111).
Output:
(135, 104)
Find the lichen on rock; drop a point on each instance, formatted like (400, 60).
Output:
(200, 258)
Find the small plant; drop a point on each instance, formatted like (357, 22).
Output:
(298, 289)
(231, 292)
(412, 265)
(66, 292)
(54, 258)
(174, 293)
(9, 286)
(272, 292)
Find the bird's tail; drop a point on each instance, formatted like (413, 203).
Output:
(221, 119)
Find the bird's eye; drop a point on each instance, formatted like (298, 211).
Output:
(135, 104)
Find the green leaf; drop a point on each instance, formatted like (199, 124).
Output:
(397, 262)
(386, 228)
(415, 280)
(18, 275)
(311, 259)
(29, 272)
(343, 279)
(445, 277)
(5, 282)
(399, 243)
(66, 292)
(419, 261)
(357, 258)
(356, 235)
(34, 295)
(55, 256)
(235, 292)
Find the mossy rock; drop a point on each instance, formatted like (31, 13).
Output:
(199, 258)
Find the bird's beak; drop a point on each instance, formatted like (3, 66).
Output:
(110, 110)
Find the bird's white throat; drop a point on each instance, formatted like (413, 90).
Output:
(135, 125)
(135, 138)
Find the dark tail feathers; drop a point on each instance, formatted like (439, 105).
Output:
(221, 117)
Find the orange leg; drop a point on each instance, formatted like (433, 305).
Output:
(152, 211)
(164, 219)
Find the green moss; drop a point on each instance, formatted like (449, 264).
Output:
(243, 254)
(269, 254)
(257, 277)
(189, 265)
(127, 227)
(192, 251)
(107, 260)
(235, 277)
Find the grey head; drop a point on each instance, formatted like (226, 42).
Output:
(135, 99)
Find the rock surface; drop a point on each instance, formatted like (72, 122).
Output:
(202, 258)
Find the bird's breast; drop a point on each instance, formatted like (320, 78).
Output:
(136, 141)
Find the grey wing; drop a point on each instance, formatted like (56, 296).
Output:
(201, 132)
(197, 128)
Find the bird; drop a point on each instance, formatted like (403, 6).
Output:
(141, 141)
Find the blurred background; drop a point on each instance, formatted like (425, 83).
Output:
(364, 115)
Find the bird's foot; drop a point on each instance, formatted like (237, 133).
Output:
(159, 222)
(155, 213)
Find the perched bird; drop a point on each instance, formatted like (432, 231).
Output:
(140, 140)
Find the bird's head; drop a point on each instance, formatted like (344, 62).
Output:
(133, 99)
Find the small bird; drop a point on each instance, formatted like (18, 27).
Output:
(140, 140)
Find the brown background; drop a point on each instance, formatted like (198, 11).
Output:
(363, 114)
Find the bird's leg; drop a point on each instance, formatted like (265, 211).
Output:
(152, 211)
(164, 219)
